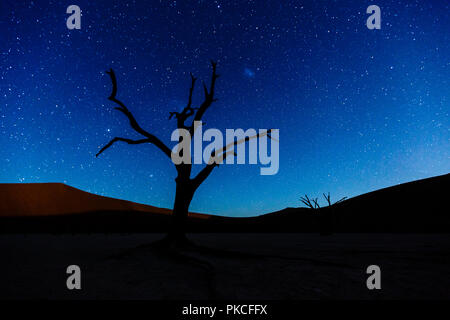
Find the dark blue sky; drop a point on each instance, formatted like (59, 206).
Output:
(357, 109)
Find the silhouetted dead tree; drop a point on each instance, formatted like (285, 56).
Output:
(311, 203)
(328, 199)
(314, 203)
(185, 185)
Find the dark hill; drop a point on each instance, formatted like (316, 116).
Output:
(418, 206)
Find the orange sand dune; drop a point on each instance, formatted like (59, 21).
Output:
(45, 199)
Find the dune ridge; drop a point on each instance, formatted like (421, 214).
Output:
(51, 199)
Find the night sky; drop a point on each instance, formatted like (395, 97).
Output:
(357, 109)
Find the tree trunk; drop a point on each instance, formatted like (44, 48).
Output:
(183, 198)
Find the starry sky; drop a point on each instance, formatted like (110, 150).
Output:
(357, 109)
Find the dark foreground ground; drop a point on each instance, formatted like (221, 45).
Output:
(275, 266)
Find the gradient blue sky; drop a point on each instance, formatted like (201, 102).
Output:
(357, 109)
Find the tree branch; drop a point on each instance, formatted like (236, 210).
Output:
(316, 203)
(188, 110)
(191, 91)
(340, 200)
(307, 201)
(129, 141)
(327, 198)
(134, 124)
(222, 154)
(209, 97)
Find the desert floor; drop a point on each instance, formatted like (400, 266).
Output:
(272, 266)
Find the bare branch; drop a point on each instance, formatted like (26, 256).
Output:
(307, 202)
(340, 200)
(209, 97)
(316, 203)
(237, 142)
(218, 156)
(191, 91)
(188, 110)
(327, 198)
(311, 203)
(176, 114)
(129, 141)
(134, 124)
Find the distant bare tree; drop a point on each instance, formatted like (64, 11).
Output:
(185, 185)
(328, 199)
(314, 203)
(326, 215)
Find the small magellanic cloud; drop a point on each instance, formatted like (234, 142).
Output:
(249, 73)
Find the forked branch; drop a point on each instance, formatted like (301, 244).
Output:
(150, 138)
(188, 110)
(218, 156)
(327, 198)
(311, 203)
(209, 97)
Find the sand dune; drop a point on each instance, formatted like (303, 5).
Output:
(48, 199)
(418, 206)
